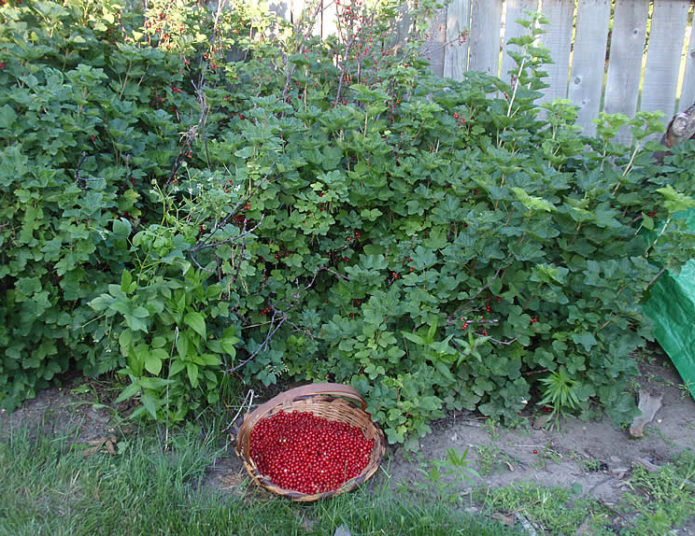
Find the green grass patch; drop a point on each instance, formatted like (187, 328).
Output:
(663, 499)
(655, 503)
(48, 487)
(557, 510)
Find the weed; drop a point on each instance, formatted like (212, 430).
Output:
(593, 465)
(491, 427)
(662, 499)
(490, 458)
(556, 510)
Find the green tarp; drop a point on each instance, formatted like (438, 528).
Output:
(671, 307)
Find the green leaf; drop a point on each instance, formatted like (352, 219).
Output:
(101, 303)
(195, 321)
(154, 359)
(126, 280)
(244, 152)
(192, 370)
(444, 370)
(182, 345)
(647, 222)
(149, 404)
(414, 338)
(531, 202)
(674, 201)
(130, 391)
(7, 116)
(229, 345)
(176, 367)
(158, 342)
(210, 360)
(122, 228)
(586, 339)
(124, 340)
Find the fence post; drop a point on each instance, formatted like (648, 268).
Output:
(588, 61)
(458, 24)
(485, 36)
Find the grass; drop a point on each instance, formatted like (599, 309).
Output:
(663, 499)
(48, 487)
(656, 503)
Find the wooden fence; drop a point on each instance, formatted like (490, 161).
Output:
(617, 56)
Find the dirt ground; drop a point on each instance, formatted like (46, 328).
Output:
(593, 455)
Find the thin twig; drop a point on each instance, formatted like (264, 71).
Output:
(283, 317)
(263, 345)
(653, 279)
(505, 343)
(78, 177)
(207, 245)
(341, 276)
(249, 396)
(609, 507)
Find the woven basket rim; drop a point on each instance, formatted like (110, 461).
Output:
(306, 397)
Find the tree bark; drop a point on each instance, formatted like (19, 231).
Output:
(679, 130)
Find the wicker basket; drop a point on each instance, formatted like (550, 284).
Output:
(325, 400)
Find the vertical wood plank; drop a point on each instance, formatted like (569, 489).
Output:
(281, 8)
(486, 17)
(558, 39)
(458, 24)
(329, 14)
(307, 9)
(588, 60)
(403, 26)
(664, 50)
(625, 60)
(688, 93)
(436, 44)
(296, 8)
(515, 10)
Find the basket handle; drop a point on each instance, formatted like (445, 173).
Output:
(312, 389)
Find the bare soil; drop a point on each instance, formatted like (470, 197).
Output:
(595, 455)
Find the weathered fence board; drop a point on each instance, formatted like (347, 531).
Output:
(558, 39)
(515, 10)
(625, 65)
(296, 8)
(588, 60)
(435, 48)
(664, 56)
(485, 36)
(593, 72)
(457, 36)
(329, 15)
(688, 94)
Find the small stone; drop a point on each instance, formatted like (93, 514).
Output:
(342, 530)
(648, 405)
(649, 466)
(619, 472)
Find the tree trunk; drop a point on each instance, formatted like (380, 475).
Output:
(679, 130)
